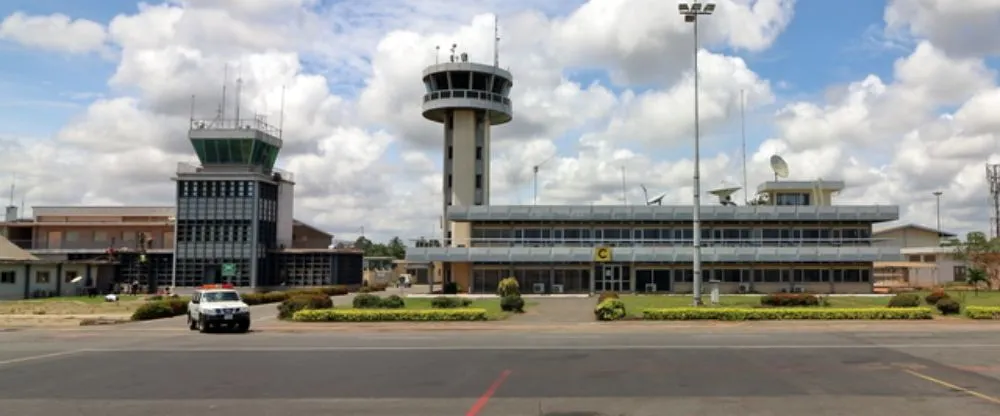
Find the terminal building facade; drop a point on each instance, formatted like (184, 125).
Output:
(788, 244)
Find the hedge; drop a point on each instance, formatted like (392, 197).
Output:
(752, 314)
(281, 296)
(385, 315)
(982, 312)
(158, 309)
(289, 306)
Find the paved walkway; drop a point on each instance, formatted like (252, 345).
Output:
(556, 310)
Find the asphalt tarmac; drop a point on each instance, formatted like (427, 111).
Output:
(128, 372)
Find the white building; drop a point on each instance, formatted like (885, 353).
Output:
(926, 264)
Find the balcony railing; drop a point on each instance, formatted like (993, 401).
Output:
(90, 245)
(258, 123)
(705, 242)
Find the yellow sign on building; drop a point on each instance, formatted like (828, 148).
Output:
(602, 254)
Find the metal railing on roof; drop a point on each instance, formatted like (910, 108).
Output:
(665, 242)
(257, 123)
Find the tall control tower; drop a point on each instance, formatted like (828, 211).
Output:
(467, 98)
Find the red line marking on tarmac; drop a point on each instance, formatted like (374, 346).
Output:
(485, 398)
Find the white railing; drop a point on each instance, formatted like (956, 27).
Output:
(257, 123)
(706, 242)
(188, 167)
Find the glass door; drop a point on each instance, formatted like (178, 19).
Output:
(611, 278)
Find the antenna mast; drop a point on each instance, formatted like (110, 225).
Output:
(743, 133)
(225, 82)
(281, 115)
(239, 92)
(496, 41)
(13, 181)
(624, 197)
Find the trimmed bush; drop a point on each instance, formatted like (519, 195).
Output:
(393, 302)
(160, 309)
(753, 314)
(935, 296)
(611, 309)
(265, 298)
(296, 303)
(605, 296)
(789, 299)
(948, 306)
(508, 287)
(374, 287)
(512, 303)
(904, 300)
(450, 302)
(450, 288)
(982, 312)
(367, 301)
(384, 315)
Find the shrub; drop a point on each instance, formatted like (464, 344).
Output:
(605, 296)
(789, 299)
(289, 306)
(512, 303)
(508, 287)
(449, 302)
(982, 312)
(948, 306)
(367, 301)
(265, 298)
(450, 288)
(904, 300)
(753, 314)
(334, 290)
(393, 302)
(935, 296)
(611, 309)
(160, 309)
(382, 315)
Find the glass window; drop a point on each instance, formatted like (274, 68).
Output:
(812, 275)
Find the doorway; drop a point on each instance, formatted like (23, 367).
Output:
(611, 278)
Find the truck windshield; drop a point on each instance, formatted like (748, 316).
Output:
(221, 297)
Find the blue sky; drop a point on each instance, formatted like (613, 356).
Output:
(827, 43)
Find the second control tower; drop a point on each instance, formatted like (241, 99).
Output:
(467, 98)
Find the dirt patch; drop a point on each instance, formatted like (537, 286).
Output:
(16, 321)
(68, 307)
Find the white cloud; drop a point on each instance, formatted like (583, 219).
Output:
(56, 32)
(371, 160)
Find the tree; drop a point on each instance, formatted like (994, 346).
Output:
(981, 253)
(396, 249)
(976, 277)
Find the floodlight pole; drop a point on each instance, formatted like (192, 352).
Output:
(691, 12)
(937, 194)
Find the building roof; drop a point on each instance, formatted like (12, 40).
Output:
(655, 254)
(918, 227)
(673, 213)
(835, 186)
(298, 223)
(11, 252)
(87, 210)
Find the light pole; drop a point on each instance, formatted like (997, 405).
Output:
(937, 194)
(691, 13)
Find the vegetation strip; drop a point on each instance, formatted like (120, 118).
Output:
(753, 314)
(383, 315)
(983, 312)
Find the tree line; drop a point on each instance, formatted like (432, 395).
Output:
(395, 248)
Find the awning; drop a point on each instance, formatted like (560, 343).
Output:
(902, 265)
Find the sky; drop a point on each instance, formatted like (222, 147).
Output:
(897, 98)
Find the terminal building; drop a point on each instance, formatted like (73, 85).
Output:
(795, 240)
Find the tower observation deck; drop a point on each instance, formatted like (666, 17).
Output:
(467, 99)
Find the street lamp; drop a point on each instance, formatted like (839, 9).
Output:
(691, 12)
(937, 194)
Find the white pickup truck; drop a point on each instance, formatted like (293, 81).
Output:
(217, 306)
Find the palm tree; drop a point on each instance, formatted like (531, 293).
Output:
(976, 277)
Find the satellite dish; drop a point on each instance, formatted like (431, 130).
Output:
(779, 166)
(658, 200)
(726, 194)
(77, 279)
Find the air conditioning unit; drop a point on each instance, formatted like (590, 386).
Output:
(798, 290)
(650, 287)
(557, 289)
(538, 288)
(744, 288)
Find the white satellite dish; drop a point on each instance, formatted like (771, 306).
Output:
(76, 279)
(779, 166)
(726, 194)
(658, 200)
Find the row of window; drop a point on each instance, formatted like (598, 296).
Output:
(42, 277)
(216, 189)
(627, 236)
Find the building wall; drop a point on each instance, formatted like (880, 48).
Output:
(906, 237)
(98, 237)
(286, 207)
(47, 278)
(307, 237)
(12, 290)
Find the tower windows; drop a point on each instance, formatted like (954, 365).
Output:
(479, 153)
(479, 181)
(449, 180)
(451, 152)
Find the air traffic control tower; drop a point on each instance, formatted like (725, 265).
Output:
(467, 98)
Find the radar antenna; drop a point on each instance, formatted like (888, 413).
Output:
(453, 47)
(779, 167)
(496, 41)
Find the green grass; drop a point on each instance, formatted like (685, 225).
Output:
(81, 299)
(634, 304)
(492, 306)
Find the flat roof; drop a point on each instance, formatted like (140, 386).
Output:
(812, 254)
(918, 227)
(673, 213)
(834, 186)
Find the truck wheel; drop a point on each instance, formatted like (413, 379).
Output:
(202, 325)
